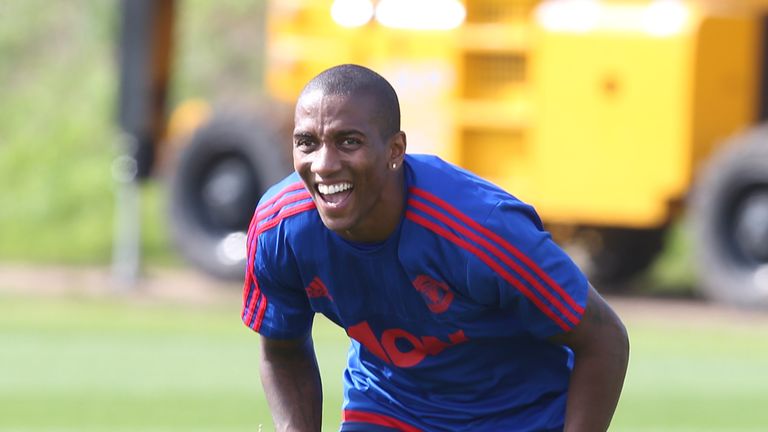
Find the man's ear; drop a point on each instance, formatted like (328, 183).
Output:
(397, 145)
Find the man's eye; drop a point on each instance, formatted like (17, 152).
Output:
(303, 144)
(351, 142)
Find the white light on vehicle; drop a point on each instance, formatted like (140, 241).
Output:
(659, 18)
(231, 249)
(421, 14)
(761, 278)
(352, 13)
(576, 16)
(665, 18)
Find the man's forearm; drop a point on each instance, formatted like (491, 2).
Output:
(595, 387)
(601, 354)
(291, 381)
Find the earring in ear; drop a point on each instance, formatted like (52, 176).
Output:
(394, 165)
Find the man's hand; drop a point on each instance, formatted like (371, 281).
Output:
(291, 381)
(601, 353)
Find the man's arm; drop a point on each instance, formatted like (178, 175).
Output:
(291, 381)
(601, 353)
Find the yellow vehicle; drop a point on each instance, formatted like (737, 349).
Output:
(610, 117)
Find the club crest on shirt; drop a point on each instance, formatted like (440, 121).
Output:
(436, 294)
(317, 288)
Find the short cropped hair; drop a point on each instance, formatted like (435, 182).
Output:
(351, 79)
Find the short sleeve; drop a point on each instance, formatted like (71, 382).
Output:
(272, 304)
(527, 273)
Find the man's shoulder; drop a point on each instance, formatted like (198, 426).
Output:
(444, 195)
(283, 203)
(290, 183)
(446, 185)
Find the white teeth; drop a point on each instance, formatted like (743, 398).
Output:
(334, 188)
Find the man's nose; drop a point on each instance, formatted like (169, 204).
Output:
(326, 160)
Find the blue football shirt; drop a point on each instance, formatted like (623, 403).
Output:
(448, 318)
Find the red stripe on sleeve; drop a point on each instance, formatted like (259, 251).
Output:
(251, 292)
(254, 222)
(378, 419)
(248, 314)
(506, 245)
(260, 312)
(290, 212)
(491, 263)
(256, 293)
(247, 284)
(290, 188)
(250, 287)
(251, 228)
(291, 199)
(499, 254)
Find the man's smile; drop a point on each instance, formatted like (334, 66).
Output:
(334, 194)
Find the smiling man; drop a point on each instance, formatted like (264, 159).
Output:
(348, 157)
(461, 311)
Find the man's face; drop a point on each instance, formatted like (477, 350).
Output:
(346, 164)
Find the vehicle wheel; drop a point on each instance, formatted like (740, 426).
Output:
(219, 177)
(611, 257)
(730, 222)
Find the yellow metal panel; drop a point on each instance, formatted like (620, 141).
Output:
(498, 155)
(493, 75)
(511, 114)
(726, 79)
(611, 128)
(498, 11)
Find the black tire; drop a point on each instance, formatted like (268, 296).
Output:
(729, 216)
(612, 257)
(219, 177)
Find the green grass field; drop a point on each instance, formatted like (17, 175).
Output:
(69, 364)
(95, 365)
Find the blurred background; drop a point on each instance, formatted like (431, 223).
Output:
(136, 137)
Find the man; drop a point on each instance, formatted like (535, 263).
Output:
(462, 313)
